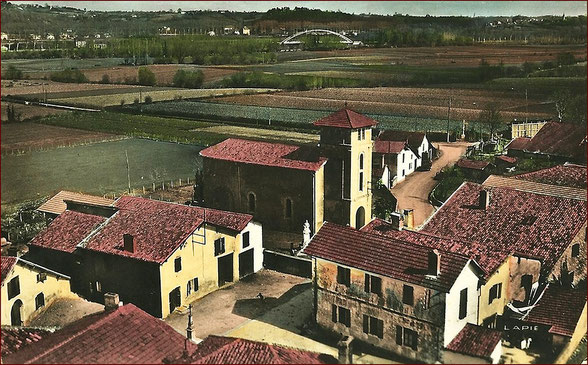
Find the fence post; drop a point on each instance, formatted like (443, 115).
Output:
(143, 189)
(172, 184)
(180, 184)
(153, 186)
(163, 185)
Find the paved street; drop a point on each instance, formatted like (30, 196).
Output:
(414, 191)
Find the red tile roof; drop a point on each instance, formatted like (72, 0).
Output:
(535, 187)
(56, 205)
(559, 139)
(564, 175)
(518, 144)
(475, 341)
(472, 164)
(67, 231)
(507, 159)
(516, 221)
(383, 255)
(388, 146)
(126, 335)
(263, 153)
(345, 118)
(559, 308)
(227, 350)
(16, 338)
(6, 264)
(414, 139)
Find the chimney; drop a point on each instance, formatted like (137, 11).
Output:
(484, 199)
(111, 301)
(129, 243)
(397, 221)
(434, 263)
(345, 350)
(409, 218)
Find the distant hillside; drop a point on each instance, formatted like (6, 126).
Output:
(23, 20)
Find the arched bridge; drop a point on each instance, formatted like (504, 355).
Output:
(290, 40)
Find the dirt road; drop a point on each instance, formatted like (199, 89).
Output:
(414, 191)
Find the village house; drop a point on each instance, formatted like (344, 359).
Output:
(27, 289)
(475, 170)
(558, 141)
(284, 186)
(417, 142)
(505, 162)
(526, 129)
(474, 345)
(570, 175)
(165, 254)
(402, 297)
(393, 161)
(118, 335)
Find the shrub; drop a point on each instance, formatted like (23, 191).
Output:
(136, 101)
(105, 79)
(188, 79)
(148, 99)
(122, 102)
(69, 75)
(146, 77)
(12, 73)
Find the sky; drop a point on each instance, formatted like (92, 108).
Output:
(435, 8)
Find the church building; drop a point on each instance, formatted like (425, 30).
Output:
(283, 186)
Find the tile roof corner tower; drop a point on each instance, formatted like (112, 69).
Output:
(346, 140)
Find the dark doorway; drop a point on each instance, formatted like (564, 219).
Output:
(225, 269)
(359, 218)
(174, 299)
(246, 263)
(16, 313)
(526, 284)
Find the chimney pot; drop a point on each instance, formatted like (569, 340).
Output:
(345, 350)
(111, 301)
(434, 263)
(129, 243)
(409, 218)
(397, 221)
(484, 199)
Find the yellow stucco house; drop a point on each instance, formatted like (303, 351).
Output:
(27, 289)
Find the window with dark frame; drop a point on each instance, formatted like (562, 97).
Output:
(406, 337)
(463, 303)
(576, 250)
(361, 181)
(13, 287)
(373, 284)
(495, 292)
(195, 284)
(408, 295)
(39, 301)
(245, 239)
(219, 246)
(345, 316)
(373, 326)
(41, 277)
(288, 210)
(178, 264)
(343, 276)
(189, 288)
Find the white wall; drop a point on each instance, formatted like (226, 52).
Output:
(466, 279)
(408, 166)
(255, 240)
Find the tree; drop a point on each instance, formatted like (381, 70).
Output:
(188, 79)
(491, 117)
(384, 203)
(105, 79)
(561, 98)
(570, 108)
(146, 77)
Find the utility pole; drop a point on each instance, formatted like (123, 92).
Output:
(448, 114)
(526, 107)
(128, 171)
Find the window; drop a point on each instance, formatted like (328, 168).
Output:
(359, 134)
(39, 301)
(99, 287)
(178, 264)
(373, 284)
(219, 246)
(406, 337)
(403, 173)
(245, 239)
(576, 250)
(189, 288)
(41, 277)
(410, 338)
(373, 326)
(408, 295)
(195, 284)
(410, 166)
(334, 313)
(402, 157)
(13, 288)
(361, 181)
(495, 292)
(251, 202)
(288, 210)
(343, 276)
(463, 303)
(345, 316)
(361, 161)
